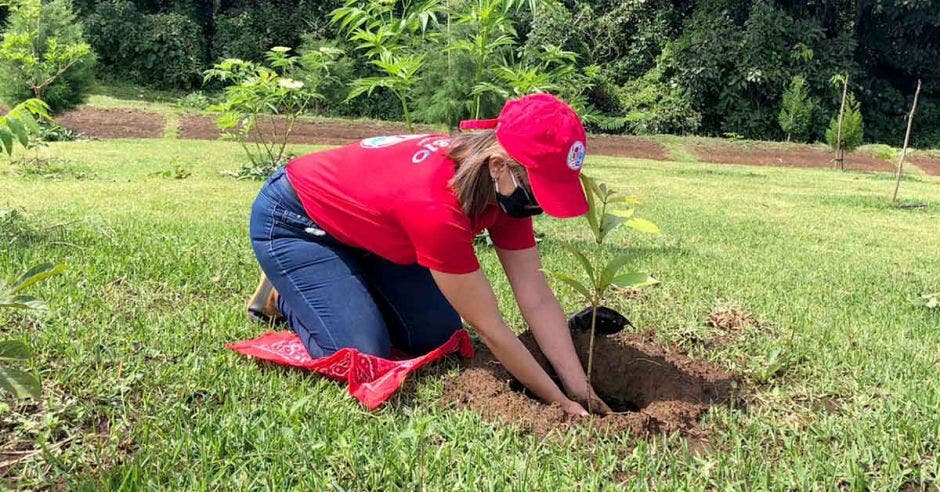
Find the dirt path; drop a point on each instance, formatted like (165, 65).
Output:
(129, 123)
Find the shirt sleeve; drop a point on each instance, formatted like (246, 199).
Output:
(512, 233)
(442, 238)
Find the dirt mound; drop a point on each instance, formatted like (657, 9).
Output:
(778, 156)
(327, 132)
(654, 392)
(113, 123)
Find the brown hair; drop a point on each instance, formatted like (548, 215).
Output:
(472, 182)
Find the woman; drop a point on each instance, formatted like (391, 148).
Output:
(371, 245)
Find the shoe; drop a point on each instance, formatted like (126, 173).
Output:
(262, 306)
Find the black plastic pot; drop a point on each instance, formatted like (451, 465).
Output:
(608, 321)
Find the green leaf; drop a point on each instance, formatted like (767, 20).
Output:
(22, 302)
(14, 349)
(572, 282)
(609, 223)
(612, 269)
(6, 139)
(18, 130)
(643, 225)
(19, 383)
(585, 264)
(634, 279)
(625, 214)
(36, 274)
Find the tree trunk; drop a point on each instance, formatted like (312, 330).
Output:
(840, 158)
(907, 138)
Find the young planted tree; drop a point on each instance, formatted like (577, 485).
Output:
(391, 34)
(907, 138)
(796, 111)
(262, 103)
(489, 29)
(42, 45)
(846, 130)
(601, 276)
(12, 380)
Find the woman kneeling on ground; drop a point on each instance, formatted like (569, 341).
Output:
(371, 245)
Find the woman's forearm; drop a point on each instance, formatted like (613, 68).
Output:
(514, 356)
(548, 324)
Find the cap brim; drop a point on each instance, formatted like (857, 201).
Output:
(561, 198)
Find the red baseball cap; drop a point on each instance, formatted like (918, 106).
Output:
(545, 135)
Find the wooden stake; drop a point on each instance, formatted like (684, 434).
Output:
(840, 148)
(907, 138)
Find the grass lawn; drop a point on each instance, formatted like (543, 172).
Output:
(842, 373)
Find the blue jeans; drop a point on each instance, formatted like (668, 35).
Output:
(335, 296)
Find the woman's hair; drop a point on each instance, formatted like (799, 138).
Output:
(472, 182)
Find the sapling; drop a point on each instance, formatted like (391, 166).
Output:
(603, 218)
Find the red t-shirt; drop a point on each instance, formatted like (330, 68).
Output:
(390, 195)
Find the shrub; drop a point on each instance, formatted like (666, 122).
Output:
(852, 127)
(43, 55)
(261, 105)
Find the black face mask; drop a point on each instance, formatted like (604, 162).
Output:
(520, 203)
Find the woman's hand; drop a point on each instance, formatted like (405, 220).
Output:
(589, 399)
(574, 408)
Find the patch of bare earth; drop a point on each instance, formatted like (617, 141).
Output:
(327, 132)
(928, 164)
(730, 318)
(624, 146)
(652, 391)
(779, 156)
(113, 123)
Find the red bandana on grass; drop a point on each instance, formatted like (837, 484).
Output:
(371, 379)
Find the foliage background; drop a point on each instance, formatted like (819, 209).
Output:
(706, 67)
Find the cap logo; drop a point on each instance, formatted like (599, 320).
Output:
(387, 141)
(576, 156)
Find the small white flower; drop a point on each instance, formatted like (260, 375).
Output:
(290, 84)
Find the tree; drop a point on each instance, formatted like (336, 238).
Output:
(852, 128)
(796, 111)
(43, 54)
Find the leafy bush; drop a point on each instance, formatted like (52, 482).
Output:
(194, 100)
(43, 55)
(261, 105)
(796, 111)
(853, 128)
(164, 50)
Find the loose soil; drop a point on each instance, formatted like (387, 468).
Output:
(113, 123)
(778, 156)
(653, 391)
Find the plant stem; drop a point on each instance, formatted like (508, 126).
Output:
(590, 364)
(907, 137)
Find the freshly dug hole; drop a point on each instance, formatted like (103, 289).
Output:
(652, 391)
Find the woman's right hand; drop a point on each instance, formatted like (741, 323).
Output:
(574, 408)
